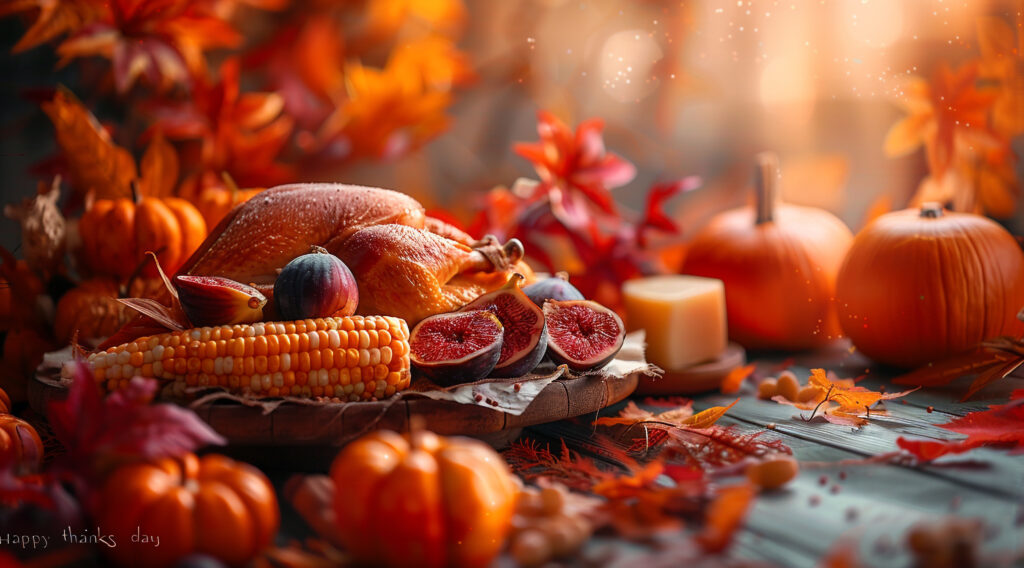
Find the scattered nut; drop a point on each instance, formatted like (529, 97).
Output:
(773, 472)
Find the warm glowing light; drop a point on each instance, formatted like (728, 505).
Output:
(627, 65)
(787, 80)
(875, 23)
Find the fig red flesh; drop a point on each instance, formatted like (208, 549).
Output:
(524, 338)
(456, 347)
(583, 334)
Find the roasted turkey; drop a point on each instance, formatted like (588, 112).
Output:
(405, 263)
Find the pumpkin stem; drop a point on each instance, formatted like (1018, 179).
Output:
(231, 185)
(136, 192)
(931, 210)
(766, 186)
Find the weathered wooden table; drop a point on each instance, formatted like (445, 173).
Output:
(836, 499)
(839, 496)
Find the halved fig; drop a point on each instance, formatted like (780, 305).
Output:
(525, 334)
(213, 300)
(556, 287)
(457, 347)
(582, 334)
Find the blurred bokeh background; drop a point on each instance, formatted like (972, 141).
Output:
(684, 87)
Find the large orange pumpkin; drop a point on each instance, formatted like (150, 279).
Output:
(93, 311)
(19, 442)
(922, 284)
(117, 233)
(422, 500)
(778, 263)
(210, 505)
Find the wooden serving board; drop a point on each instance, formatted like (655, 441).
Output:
(331, 425)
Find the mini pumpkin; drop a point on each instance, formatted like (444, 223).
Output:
(422, 500)
(117, 233)
(778, 263)
(210, 505)
(921, 284)
(93, 311)
(214, 196)
(19, 442)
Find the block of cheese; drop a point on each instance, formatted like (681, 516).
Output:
(684, 318)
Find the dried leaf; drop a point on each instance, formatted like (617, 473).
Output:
(993, 360)
(158, 312)
(53, 19)
(159, 168)
(95, 163)
(724, 516)
(999, 425)
(706, 418)
(735, 378)
(654, 213)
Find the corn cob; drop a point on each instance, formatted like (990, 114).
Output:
(352, 358)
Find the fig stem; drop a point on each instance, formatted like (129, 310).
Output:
(766, 186)
(931, 210)
(317, 249)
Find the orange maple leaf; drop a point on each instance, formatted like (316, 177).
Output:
(98, 166)
(735, 378)
(95, 163)
(949, 112)
(1002, 59)
(55, 18)
(840, 401)
(682, 417)
(384, 114)
(385, 18)
(724, 516)
(239, 133)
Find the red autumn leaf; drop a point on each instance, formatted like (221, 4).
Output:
(717, 446)
(100, 432)
(725, 516)
(654, 213)
(568, 163)
(160, 40)
(999, 425)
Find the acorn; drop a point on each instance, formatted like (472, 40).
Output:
(213, 300)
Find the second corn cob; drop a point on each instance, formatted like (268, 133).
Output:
(352, 358)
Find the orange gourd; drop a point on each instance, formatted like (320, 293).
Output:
(922, 284)
(93, 311)
(422, 500)
(779, 264)
(19, 442)
(210, 505)
(117, 233)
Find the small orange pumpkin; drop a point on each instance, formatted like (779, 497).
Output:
(214, 195)
(779, 265)
(19, 442)
(93, 311)
(117, 233)
(210, 505)
(422, 500)
(920, 284)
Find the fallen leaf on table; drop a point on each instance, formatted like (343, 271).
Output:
(999, 425)
(678, 417)
(725, 514)
(840, 401)
(735, 378)
(993, 360)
